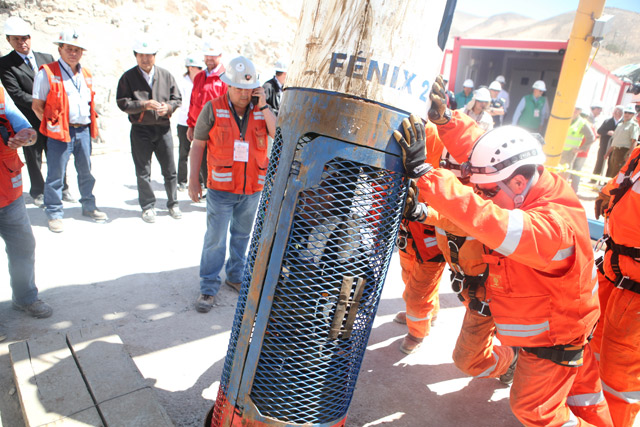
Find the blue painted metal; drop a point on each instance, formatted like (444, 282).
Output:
(596, 229)
(330, 209)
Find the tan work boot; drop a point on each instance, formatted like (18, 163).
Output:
(235, 286)
(401, 318)
(410, 344)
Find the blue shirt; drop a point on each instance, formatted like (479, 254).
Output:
(16, 118)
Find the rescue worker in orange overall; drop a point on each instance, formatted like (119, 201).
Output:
(422, 266)
(541, 282)
(474, 353)
(618, 334)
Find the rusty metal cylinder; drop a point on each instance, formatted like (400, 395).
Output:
(330, 210)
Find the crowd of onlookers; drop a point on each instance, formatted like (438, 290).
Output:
(617, 135)
(48, 107)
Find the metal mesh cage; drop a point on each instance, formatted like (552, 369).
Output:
(248, 271)
(320, 321)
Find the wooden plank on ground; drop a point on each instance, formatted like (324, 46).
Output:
(140, 408)
(49, 383)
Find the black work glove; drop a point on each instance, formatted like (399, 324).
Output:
(602, 202)
(438, 113)
(413, 209)
(414, 152)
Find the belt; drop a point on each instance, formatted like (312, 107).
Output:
(75, 125)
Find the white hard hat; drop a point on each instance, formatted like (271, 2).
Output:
(500, 151)
(468, 83)
(539, 84)
(495, 85)
(209, 48)
(16, 26)
(629, 108)
(193, 61)
(71, 37)
(596, 104)
(482, 95)
(145, 45)
(500, 79)
(241, 73)
(448, 162)
(281, 66)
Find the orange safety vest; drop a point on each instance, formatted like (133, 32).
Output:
(225, 143)
(11, 165)
(55, 120)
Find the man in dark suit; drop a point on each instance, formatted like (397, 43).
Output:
(17, 71)
(606, 131)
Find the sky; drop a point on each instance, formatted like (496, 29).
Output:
(538, 9)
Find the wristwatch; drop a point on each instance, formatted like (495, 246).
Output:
(264, 107)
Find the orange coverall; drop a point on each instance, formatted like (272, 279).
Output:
(619, 327)
(541, 288)
(474, 353)
(421, 273)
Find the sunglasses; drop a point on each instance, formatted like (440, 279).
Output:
(489, 193)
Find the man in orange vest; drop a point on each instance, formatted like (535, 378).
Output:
(63, 99)
(618, 334)
(541, 282)
(15, 228)
(234, 128)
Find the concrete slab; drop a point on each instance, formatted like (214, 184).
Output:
(48, 382)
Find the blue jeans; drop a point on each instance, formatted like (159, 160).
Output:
(58, 154)
(15, 229)
(226, 211)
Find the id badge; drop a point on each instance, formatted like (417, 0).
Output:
(536, 113)
(240, 151)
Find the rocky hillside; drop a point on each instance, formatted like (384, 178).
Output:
(261, 30)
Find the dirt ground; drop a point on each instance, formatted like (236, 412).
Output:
(142, 280)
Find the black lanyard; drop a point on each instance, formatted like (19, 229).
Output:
(77, 86)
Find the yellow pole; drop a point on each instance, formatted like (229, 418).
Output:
(571, 74)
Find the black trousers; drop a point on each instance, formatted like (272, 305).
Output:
(602, 150)
(33, 159)
(146, 141)
(183, 158)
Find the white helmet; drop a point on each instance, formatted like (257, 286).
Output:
(448, 162)
(629, 108)
(495, 85)
(482, 95)
(500, 79)
(539, 84)
(500, 151)
(16, 26)
(193, 61)
(468, 83)
(70, 36)
(281, 66)
(241, 73)
(209, 48)
(144, 45)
